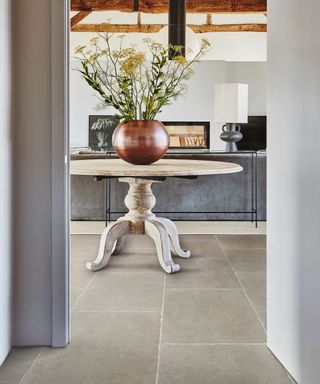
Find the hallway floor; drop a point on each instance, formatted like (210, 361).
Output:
(133, 324)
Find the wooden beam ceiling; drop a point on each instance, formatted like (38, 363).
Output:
(161, 6)
(154, 28)
(228, 28)
(78, 17)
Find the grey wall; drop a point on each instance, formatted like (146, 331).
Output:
(5, 184)
(32, 161)
(294, 186)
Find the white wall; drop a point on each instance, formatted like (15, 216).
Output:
(226, 46)
(294, 186)
(196, 106)
(5, 184)
(254, 74)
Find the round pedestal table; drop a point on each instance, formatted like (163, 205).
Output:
(140, 200)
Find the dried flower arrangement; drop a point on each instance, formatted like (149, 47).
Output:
(136, 87)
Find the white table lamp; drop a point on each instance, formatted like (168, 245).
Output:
(231, 108)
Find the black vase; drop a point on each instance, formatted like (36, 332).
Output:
(231, 135)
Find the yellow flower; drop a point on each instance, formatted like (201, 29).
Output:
(156, 46)
(93, 57)
(94, 41)
(130, 64)
(177, 48)
(123, 53)
(181, 60)
(183, 88)
(205, 43)
(79, 49)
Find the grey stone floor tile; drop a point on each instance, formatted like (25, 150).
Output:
(127, 291)
(197, 237)
(135, 262)
(17, 364)
(75, 294)
(242, 241)
(80, 275)
(78, 242)
(263, 317)
(138, 242)
(255, 286)
(117, 342)
(247, 259)
(210, 317)
(220, 364)
(199, 273)
(84, 248)
(106, 348)
(202, 246)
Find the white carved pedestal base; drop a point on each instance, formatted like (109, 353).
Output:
(138, 221)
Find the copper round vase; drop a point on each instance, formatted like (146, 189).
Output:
(140, 142)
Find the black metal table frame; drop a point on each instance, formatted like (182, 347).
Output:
(254, 195)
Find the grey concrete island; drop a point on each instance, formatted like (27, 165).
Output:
(140, 200)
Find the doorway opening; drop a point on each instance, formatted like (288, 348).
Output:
(220, 218)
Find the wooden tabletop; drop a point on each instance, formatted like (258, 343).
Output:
(162, 168)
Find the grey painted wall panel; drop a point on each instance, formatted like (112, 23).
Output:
(32, 162)
(6, 179)
(294, 186)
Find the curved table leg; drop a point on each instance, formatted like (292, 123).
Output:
(118, 245)
(174, 238)
(159, 234)
(107, 243)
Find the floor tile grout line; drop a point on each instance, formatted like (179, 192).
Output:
(242, 287)
(83, 291)
(136, 272)
(160, 330)
(204, 289)
(208, 344)
(242, 249)
(117, 312)
(31, 366)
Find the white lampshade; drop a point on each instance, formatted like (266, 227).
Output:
(231, 103)
(193, 44)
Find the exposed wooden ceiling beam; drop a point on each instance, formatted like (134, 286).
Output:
(139, 18)
(154, 28)
(78, 17)
(161, 6)
(118, 28)
(228, 28)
